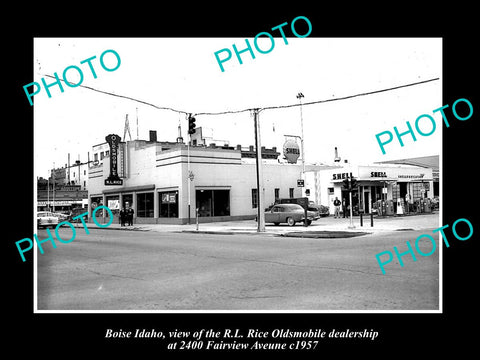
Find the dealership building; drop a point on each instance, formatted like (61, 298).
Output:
(166, 182)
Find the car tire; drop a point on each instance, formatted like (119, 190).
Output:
(276, 223)
(309, 222)
(290, 221)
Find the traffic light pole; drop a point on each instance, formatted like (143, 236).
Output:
(349, 184)
(188, 175)
(351, 226)
(191, 130)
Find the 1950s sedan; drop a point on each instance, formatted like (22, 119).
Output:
(46, 219)
(288, 213)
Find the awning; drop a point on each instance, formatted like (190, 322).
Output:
(129, 189)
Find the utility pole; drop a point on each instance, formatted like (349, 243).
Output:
(260, 197)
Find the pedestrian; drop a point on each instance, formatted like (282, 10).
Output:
(336, 203)
(344, 207)
(129, 212)
(122, 216)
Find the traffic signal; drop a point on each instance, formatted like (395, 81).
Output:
(191, 125)
(353, 183)
(350, 184)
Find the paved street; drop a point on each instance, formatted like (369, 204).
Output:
(151, 270)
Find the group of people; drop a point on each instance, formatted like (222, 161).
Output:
(345, 208)
(126, 215)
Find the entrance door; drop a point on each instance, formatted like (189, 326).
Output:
(403, 189)
(366, 204)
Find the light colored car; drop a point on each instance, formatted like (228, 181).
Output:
(288, 213)
(61, 217)
(46, 219)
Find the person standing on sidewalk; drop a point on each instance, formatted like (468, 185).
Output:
(122, 217)
(129, 212)
(337, 204)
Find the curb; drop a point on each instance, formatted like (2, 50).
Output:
(221, 232)
(327, 234)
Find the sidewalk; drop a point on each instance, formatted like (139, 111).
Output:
(385, 224)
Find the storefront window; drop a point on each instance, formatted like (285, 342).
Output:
(113, 203)
(213, 202)
(145, 205)
(168, 204)
(127, 198)
(96, 201)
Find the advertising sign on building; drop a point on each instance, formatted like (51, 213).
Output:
(113, 141)
(114, 204)
(291, 151)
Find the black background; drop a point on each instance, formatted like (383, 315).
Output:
(403, 334)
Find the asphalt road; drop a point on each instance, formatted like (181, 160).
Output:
(146, 270)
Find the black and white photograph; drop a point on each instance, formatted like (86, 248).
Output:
(289, 181)
(160, 149)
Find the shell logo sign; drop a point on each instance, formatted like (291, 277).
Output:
(291, 151)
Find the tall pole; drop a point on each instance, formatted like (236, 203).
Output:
(299, 97)
(260, 197)
(48, 193)
(351, 226)
(53, 178)
(189, 180)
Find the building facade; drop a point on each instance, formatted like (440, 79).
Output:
(394, 184)
(160, 180)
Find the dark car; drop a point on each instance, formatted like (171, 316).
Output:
(321, 210)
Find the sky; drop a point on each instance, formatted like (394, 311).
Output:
(183, 74)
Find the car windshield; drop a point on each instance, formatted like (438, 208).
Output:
(291, 207)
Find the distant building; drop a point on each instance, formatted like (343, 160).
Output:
(428, 162)
(388, 182)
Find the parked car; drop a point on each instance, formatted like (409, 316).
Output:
(46, 219)
(321, 210)
(61, 217)
(288, 213)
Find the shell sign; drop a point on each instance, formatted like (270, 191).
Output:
(291, 151)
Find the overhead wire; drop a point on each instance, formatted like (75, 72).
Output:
(226, 112)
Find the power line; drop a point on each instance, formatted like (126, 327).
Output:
(126, 97)
(350, 96)
(261, 108)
